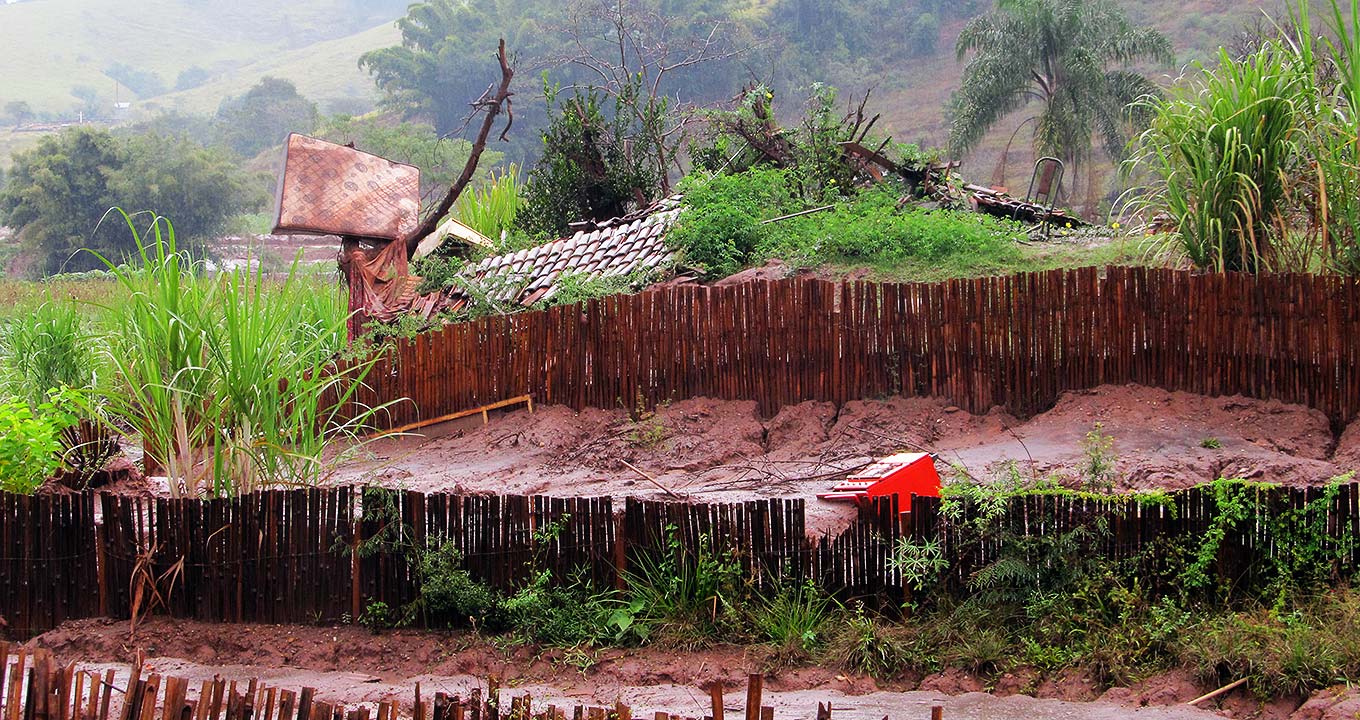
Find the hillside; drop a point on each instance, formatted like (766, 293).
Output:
(54, 47)
(316, 43)
(913, 103)
(326, 72)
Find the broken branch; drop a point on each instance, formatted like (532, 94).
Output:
(493, 107)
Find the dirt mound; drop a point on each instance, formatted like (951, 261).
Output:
(1347, 456)
(773, 269)
(722, 451)
(1335, 703)
(1159, 439)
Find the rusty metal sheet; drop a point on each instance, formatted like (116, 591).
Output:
(329, 189)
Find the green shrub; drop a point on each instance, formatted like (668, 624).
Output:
(377, 616)
(862, 645)
(793, 618)
(566, 616)
(721, 231)
(717, 239)
(449, 596)
(1311, 646)
(873, 231)
(684, 599)
(30, 445)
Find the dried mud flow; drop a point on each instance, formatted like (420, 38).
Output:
(349, 665)
(722, 451)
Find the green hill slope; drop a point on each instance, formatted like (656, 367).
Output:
(327, 72)
(48, 48)
(913, 102)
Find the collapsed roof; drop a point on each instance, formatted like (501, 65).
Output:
(611, 248)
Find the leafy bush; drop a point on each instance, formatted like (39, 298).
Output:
(30, 445)
(566, 616)
(377, 616)
(597, 162)
(449, 596)
(718, 239)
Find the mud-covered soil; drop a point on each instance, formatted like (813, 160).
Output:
(721, 451)
(350, 665)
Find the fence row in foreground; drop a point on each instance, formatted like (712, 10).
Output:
(290, 556)
(35, 687)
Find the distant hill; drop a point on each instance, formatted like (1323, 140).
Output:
(57, 54)
(326, 72)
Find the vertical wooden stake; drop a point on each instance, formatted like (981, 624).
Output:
(620, 553)
(754, 689)
(715, 694)
(354, 573)
(101, 569)
(937, 713)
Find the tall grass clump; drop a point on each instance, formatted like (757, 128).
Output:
(228, 379)
(45, 349)
(1257, 160)
(1223, 150)
(491, 210)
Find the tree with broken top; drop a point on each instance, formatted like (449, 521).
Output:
(380, 277)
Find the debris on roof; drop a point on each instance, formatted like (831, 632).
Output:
(450, 229)
(612, 248)
(329, 189)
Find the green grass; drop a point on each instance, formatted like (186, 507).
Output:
(1030, 257)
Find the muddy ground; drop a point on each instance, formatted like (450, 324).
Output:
(350, 665)
(722, 451)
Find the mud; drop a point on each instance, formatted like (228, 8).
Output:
(722, 451)
(347, 664)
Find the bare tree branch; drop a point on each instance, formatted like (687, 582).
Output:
(492, 105)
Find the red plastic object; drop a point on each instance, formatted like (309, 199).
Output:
(905, 474)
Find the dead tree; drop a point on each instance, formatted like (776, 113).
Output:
(492, 103)
(632, 58)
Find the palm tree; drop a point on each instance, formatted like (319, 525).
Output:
(1072, 57)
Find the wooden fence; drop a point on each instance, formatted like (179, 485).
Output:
(1016, 341)
(288, 556)
(34, 687)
